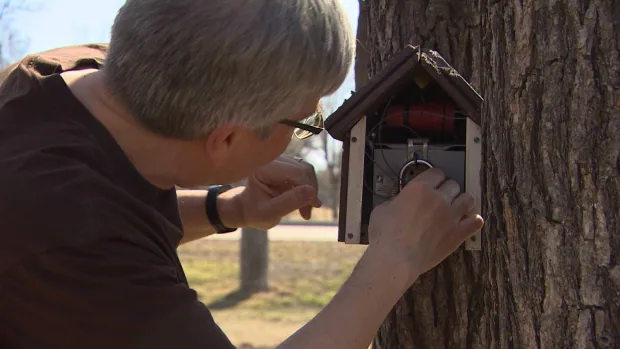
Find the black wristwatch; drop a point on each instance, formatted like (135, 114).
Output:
(211, 208)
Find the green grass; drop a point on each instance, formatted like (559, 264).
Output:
(303, 276)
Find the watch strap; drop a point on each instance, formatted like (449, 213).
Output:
(211, 208)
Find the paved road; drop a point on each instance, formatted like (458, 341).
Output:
(292, 233)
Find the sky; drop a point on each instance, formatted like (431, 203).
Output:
(56, 23)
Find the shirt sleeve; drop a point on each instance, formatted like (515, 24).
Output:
(109, 293)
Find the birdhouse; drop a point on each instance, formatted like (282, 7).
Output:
(416, 113)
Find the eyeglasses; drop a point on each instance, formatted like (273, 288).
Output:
(311, 125)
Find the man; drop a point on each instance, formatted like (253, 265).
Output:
(94, 140)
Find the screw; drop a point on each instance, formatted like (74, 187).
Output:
(350, 236)
(354, 139)
(477, 140)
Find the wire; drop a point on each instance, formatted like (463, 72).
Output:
(369, 145)
(368, 187)
(384, 117)
(395, 180)
(379, 128)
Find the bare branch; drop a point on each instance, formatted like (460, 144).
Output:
(11, 45)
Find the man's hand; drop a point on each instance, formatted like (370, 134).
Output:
(427, 221)
(409, 235)
(285, 185)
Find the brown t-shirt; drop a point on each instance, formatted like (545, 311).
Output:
(87, 246)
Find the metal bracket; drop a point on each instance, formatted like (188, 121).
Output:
(473, 163)
(417, 146)
(410, 149)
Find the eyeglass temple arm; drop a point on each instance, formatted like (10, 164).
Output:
(309, 128)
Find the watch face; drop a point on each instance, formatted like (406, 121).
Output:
(220, 188)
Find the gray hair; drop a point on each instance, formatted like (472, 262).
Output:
(185, 67)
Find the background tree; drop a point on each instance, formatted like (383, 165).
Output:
(5, 33)
(329, 178)
(330, 151)
(12, 46)
(254, 255)
(548, 275)
(254, 259)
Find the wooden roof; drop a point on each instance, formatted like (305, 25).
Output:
(398, 74)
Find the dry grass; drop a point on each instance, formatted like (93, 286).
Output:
(322, 215)
(303, 277)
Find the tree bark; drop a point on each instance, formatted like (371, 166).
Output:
(362, 56)
(254, 261)
(548, 275)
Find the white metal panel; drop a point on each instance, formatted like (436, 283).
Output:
(473, 161)
(355, 189)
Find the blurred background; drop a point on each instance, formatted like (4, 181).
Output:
(261, 286)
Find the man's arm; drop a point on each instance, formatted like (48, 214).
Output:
(350, 320)
(273, 191)
(409, 235)
(353, 316)
(195, 222)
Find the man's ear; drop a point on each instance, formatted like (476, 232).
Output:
(220, 143)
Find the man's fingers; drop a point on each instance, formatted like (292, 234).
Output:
(472, 222)
(280, 173)
(300, 172)
(464, 203)
(468, 226)
(306, 212)
(289, 201)
(449, 190)
(286, 173)
(433, 177)
(290, 159)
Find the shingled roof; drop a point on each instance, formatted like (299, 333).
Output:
(397, 74)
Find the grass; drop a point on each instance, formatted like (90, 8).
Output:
(303, 277)
(319, 215)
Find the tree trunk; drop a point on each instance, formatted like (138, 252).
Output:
(254, 261)
(548, 275)
(362, 55)
(333, 177)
